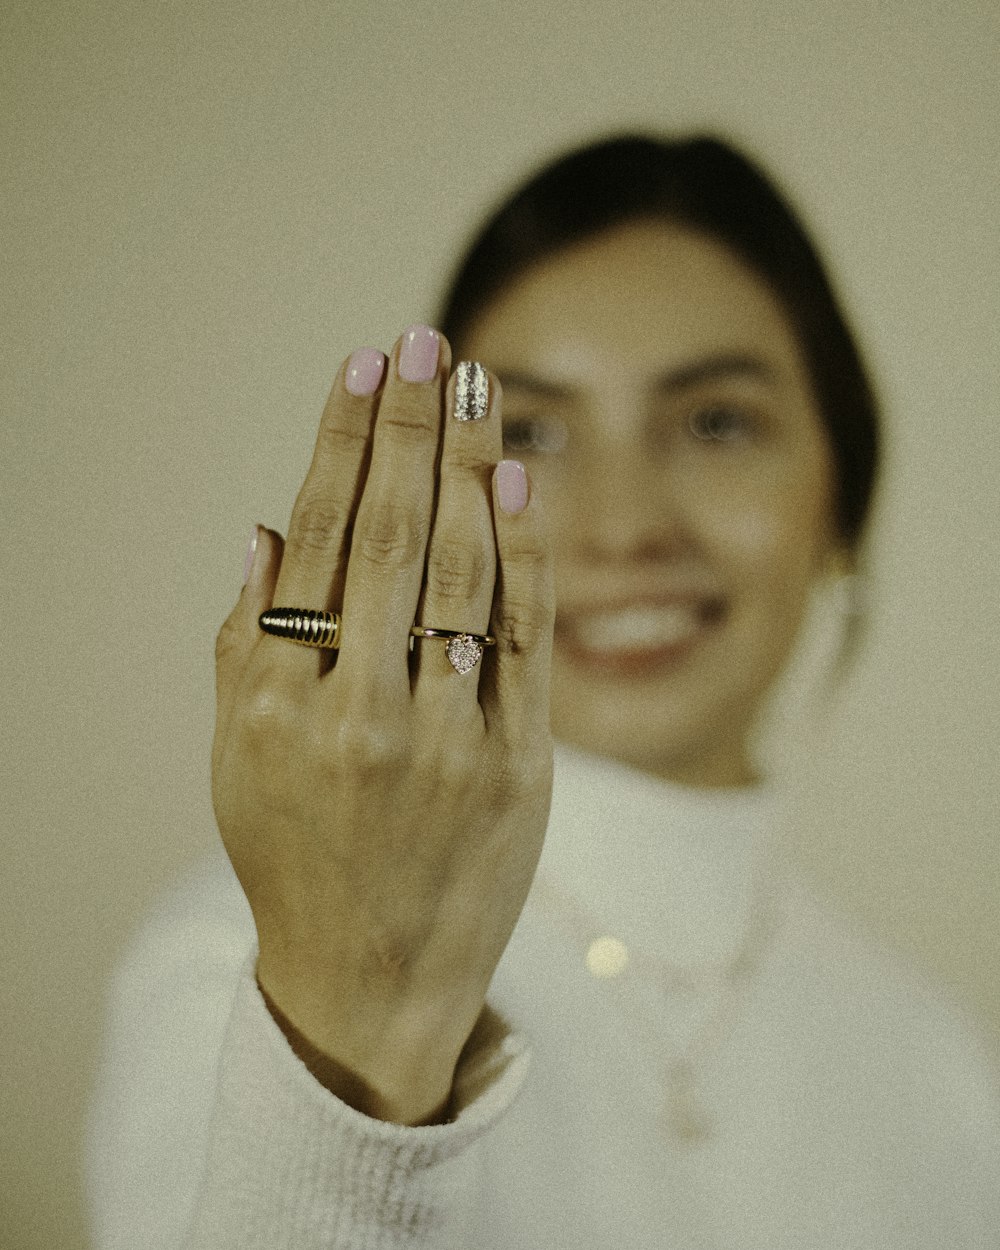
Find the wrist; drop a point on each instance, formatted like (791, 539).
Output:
(386, 1071)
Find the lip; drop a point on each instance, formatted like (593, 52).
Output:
(638, 636)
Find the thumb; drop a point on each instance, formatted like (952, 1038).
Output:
(240, 633)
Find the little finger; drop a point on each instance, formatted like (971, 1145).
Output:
(514, 690)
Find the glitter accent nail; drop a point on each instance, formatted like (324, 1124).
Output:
(472, 391)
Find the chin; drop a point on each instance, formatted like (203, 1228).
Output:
(639, 737)
(673, 722)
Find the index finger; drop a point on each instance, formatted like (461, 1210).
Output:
(315, 557)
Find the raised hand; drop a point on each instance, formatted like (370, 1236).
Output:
(383, 811)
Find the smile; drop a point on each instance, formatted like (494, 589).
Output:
(638, 636)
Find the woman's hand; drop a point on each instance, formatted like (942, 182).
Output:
(383, 813)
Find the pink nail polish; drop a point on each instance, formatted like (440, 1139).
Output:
(364, 371)
(512, 486)
(251, 553)
(418, 355)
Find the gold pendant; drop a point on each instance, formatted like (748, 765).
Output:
(684, 1116)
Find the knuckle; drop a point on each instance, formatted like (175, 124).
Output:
(268, 713)
(411, 417)
(520, 768)
(467, 461)
(365, 747)
(316, 525)
(340, 442)
(519, 775)
(389, 536)
(521, 626)
(456, 568)
(532, 557)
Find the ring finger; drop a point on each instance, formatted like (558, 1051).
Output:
(461, 558)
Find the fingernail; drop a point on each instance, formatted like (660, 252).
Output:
(472, 391)
(251, 553)
(364, 371)
(418, 355)
(512, 486)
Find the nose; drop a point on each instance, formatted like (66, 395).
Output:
(623, 506)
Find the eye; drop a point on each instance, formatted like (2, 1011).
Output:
(721, 423)
(541, 434)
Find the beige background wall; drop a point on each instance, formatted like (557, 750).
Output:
(205, 206)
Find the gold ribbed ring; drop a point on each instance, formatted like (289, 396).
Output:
(303, 625)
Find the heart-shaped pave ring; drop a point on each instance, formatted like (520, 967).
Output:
(464, 650)
(464, 653)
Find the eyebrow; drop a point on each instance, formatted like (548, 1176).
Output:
(715, 369)
(709, 369)
(515, 379)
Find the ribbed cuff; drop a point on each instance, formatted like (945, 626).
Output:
(290, 1165)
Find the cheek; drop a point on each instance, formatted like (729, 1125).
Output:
(770, 541)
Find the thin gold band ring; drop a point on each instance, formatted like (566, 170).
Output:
(484, 640)
(464, 650)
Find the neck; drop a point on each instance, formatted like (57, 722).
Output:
(666, 867)
(724, 766)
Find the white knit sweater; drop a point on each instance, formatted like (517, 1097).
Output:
(844, 1106)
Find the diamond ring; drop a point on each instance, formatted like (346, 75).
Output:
(464, 650)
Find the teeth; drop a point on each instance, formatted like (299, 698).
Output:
(637, 628)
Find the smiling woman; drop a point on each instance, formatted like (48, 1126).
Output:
(688, 480)
(340, 1023)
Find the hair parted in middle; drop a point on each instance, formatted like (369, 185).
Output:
(707, 185)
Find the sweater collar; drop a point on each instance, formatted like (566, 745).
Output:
(673, 870)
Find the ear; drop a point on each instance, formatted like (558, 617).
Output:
(838, 560)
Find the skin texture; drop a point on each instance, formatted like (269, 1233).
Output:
(614, 356)
(384, 815)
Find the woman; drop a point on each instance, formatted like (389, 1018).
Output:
(713, 1061)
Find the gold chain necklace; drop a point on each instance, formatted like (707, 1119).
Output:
(610, 961)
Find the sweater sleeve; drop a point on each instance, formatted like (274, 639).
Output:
(289, 1165)
(207, 1132)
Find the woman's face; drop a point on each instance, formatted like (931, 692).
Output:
(655, 389)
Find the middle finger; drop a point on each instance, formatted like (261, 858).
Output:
(386, 563)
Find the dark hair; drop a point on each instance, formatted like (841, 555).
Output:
(705, 184)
